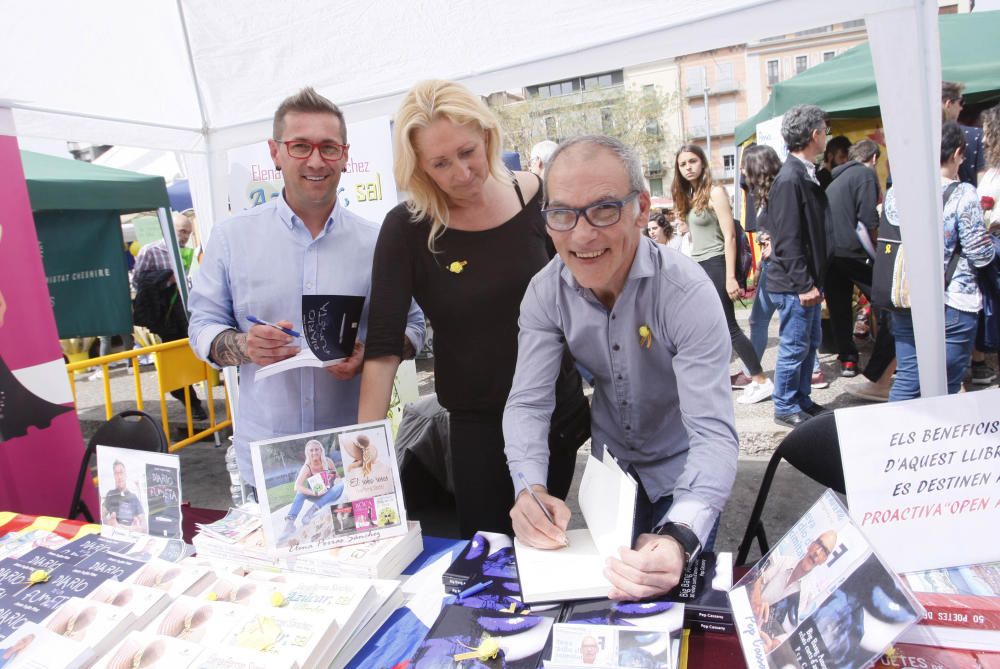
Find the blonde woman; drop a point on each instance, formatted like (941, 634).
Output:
(465, 247)
(316, 462)
(705, 208)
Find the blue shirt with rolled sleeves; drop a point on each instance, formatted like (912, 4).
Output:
(260, 262)
(665, 408)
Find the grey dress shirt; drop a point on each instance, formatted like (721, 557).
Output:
(665, 409)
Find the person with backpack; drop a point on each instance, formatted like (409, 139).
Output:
(716, 246)
(967, 244)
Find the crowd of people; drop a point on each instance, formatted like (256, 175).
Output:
(531, 278)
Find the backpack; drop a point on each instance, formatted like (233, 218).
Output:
(744, 255)
(890, 285)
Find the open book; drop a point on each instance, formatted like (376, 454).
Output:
(329, 329)
(607, 500)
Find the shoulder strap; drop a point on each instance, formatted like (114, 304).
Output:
(957, 253)
(517, 189)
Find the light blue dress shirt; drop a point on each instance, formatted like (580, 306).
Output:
(665, 409)
(260, 262)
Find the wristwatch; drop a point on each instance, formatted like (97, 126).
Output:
(685, 536)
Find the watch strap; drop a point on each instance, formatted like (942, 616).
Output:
(685, 536)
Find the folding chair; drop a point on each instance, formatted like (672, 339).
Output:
(813, 448)
(129, 429)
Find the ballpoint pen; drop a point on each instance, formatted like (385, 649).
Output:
(548, 516)
(473, 589)
(287, 331)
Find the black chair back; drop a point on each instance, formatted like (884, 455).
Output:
(129, 429)
(813, 448)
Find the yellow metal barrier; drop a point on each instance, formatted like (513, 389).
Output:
(176, 367)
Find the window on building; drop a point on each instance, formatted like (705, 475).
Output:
(652, 127)
(847, 25)
(656, 187)
(699, 122)
(649, 89)
(695, 78)
(724, 75)
(801, 64)
(727, 116)
(729, 165)
(828, 55)
(773, 72)
(654, 166)
(607, 121)
(606, 80)
(550, 126)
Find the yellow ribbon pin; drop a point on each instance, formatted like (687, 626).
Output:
(487, 650)
(457, 266)
(645, 336)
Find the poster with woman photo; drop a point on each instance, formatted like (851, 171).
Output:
(328, 488)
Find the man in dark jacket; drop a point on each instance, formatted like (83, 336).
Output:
(853, 197)
(797, 213)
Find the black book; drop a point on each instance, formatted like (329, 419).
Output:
(487, 556)
(523, 639)
(702, 590)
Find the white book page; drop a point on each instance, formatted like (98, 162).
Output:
(607, 500)
(573, 572)
(304, 358)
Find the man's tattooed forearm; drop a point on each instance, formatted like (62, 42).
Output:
(229, 348)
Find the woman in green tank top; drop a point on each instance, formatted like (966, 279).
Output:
(705, 207)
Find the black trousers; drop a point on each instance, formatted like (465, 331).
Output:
(838, 288)
(484, 492)
(716, 270)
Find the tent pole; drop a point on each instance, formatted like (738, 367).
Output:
(907, 60)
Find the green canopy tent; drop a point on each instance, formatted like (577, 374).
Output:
(844, 87)
(77, 208)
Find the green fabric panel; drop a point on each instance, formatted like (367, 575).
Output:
(60, 183)
(845, 86)
(85, 268)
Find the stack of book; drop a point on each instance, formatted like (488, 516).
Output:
(89, 606)
(385, 558)
(963, 607)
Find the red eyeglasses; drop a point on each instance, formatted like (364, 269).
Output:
(328, 151)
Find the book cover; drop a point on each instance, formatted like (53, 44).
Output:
(236, 524)
(521, 640)
(470, 561)
(199, 620)
(16, 544)
(15, 610)
(329, 330)
(174, 579)
(934, 657)
(821, 597)
(140, 492)
(34, 647)
(87, 545)
(575, 645)
(286, 634)
(363, 501)
(967, 597)
(661, 614)
(239, 658)
(143, 603)
(704, 589)
(90, 623)
(144, 649)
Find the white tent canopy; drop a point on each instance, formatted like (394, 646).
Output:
(201, 77)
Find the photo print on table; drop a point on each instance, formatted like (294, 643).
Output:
(329, 488)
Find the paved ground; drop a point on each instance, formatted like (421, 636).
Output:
(206, 483)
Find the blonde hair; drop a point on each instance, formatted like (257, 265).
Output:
(425, 103)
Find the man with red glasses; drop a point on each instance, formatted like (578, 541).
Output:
(261, 261)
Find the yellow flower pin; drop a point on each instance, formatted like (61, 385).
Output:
(645, 336)
(457, 266)
(212, 596)
(277, 599)
(487, 650)
(38, 576)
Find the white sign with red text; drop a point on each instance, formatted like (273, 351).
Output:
(367, 187)
(923, 478)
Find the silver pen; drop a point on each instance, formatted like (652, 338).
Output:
(548, 516)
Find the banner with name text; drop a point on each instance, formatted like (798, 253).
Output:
(40, 441)
(923, 478)
(367, 187)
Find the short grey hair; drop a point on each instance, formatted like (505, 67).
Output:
(629, 157)
(544, 150)
(798, 125)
